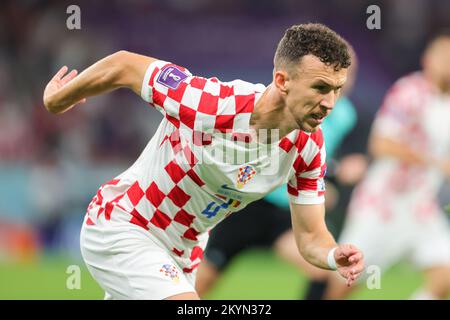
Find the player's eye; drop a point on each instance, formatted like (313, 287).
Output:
(322, 88)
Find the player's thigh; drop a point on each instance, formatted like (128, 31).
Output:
(207, 276)
(132, 266)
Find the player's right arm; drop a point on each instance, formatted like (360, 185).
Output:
(315, 242)
(380, 146)
(121, 69)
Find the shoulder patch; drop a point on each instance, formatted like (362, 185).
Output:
(171, 77)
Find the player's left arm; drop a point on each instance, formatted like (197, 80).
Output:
(314, 242)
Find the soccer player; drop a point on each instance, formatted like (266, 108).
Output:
(239, 232)
(394, 212)
(145, 230)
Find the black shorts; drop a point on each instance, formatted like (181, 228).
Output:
(257, 225)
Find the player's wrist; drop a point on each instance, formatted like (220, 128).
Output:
(331, 261)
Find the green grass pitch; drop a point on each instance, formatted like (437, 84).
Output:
(257, 274)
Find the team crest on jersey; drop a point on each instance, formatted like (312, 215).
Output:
(170, 271)
(245, 174)
(171, 77)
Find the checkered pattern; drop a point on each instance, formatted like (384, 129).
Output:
(198, 103)
(168, 189)
(307, 185)
(102, 206)
(402, 108)
(157, 211)
(162, 207)
(417, 116)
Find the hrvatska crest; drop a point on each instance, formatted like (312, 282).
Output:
(245, 174)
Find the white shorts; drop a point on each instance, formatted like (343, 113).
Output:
(384, 240)
(128, 264)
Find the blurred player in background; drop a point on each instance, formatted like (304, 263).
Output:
(145, 231)
(394, 211)
(267, 223)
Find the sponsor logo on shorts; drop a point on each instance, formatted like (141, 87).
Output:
(171, 77)
(171, 272)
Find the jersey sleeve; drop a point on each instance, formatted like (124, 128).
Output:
(198, 103)
(396, 114)
(307, 185)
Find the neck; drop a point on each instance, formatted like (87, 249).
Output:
(271, 112)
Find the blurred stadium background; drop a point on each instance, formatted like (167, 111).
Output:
(51, 166)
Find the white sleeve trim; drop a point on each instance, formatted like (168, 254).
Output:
(302, 199)
(146, 90)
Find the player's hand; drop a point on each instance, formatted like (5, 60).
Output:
(349, 262)
(59, 80)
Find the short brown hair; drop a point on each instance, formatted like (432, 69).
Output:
(312, 38)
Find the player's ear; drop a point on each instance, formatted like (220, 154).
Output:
(280, 79)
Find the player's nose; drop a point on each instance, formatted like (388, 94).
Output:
(328, 101)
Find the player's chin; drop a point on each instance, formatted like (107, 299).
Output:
(308, 127)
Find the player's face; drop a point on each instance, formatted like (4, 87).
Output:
(437, 63)
(312, 93)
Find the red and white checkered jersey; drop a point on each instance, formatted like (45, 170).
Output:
(417, 115)
(202, 164)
